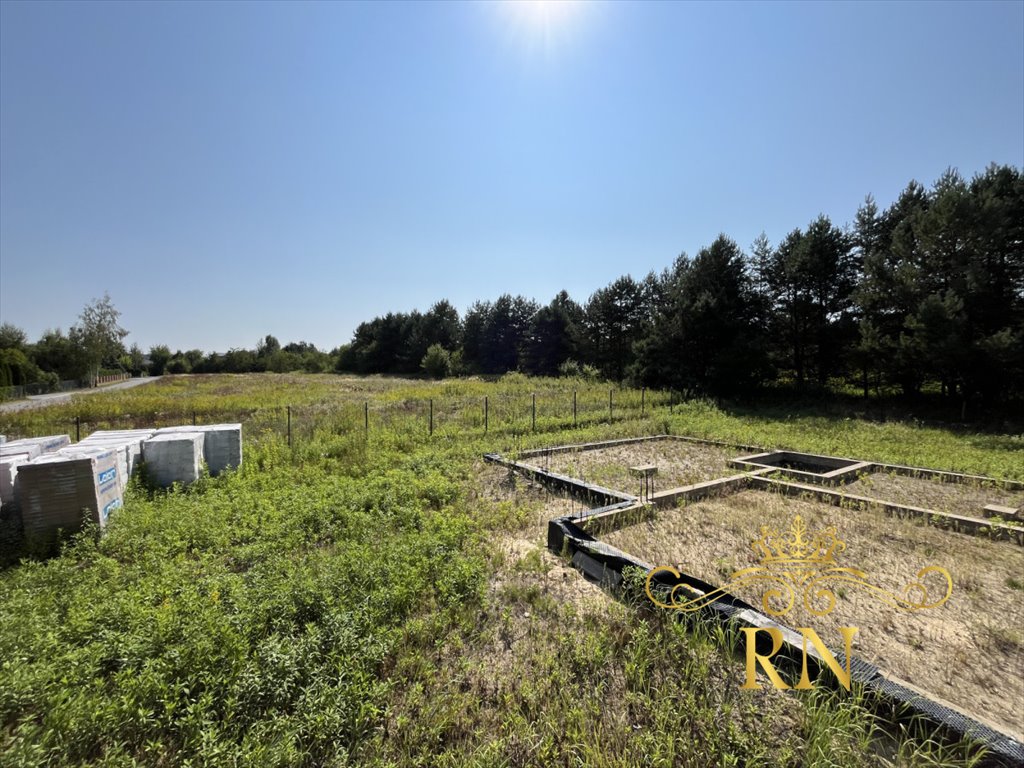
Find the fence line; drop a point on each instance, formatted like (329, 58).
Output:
(112, 378)
(21, 391)
(520, 413)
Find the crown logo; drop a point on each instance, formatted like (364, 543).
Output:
(798, 549)
(801, 566)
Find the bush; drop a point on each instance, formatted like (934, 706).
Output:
(437, 362)
(178, 364)
(571, 369)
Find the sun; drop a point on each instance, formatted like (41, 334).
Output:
(543, 13)
(540, 21)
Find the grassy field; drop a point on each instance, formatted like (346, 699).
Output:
(379, 596)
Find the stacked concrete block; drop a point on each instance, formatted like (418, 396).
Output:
(15, 453)
(173, 457)
(58, 491)
(120, 452)
(9, 471)
(11, 457)
(222, 444)
(31, 450)
(223, 447)
(47, 444)
(130, 440)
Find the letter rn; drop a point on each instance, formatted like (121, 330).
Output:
(754, 658)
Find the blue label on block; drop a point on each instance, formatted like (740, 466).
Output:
(115, 504)
(110, 474)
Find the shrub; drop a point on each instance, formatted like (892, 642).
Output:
(437, 362)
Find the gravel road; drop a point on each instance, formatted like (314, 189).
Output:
(41, 401)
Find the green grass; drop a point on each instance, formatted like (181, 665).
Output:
(343, 600)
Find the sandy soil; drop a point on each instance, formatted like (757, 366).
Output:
(969, 651)
(957, 498)
(678, 463)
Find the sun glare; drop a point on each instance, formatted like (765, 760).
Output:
(540, 23)
(543, 12)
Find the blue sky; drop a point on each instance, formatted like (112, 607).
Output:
(230, 170)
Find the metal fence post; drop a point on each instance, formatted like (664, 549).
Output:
(431, 415)
(610, 404)
(366, 418)
(643, 400)
(193, 418)
(574, 407)
(78, 428)
(485, 414)
(289, 425)
(533, 420)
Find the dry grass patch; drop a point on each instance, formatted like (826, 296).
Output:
(679, 463)
(958, 498)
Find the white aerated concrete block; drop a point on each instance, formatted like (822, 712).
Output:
(173, 457)
(54, 490)
(129, 439)
(11, 457)
(132, 451)
(222, 444)
(119, 451)
(30, 450)
(8, 472)
(48, 444)
(222, 447)
(131, 433)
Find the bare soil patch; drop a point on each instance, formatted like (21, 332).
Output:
(956, 498)
(969, 651)
(679, 463)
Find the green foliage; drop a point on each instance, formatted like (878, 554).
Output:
(708, 321)
(571, 369)
(616, 317)
(943, 285)
(437, 362)
(246, 619)
(554, 337)
(12, 337)
(494, 333)
(178, 364)
(397, 343)
(810, 283)
(159, 356)
(98, 335)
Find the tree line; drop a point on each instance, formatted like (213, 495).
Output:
(925, 294)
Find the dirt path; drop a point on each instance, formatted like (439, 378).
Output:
(41, 401)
